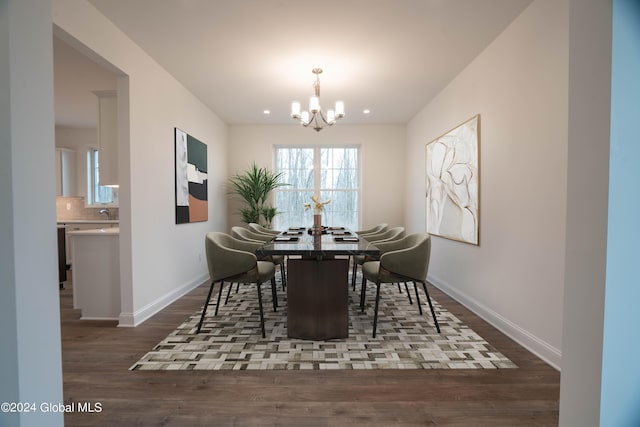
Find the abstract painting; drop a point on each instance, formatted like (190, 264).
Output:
(191, 179)
(452, 183)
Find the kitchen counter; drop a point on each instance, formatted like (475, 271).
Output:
(95, 232)
(73, 225)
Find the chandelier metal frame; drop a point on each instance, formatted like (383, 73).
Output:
(315, 117)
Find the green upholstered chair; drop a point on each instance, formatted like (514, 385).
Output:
(384, 236)
(246, 234)
(251, 236)
(373, 230)
(232, 260)
(404, 260)
(263, 230)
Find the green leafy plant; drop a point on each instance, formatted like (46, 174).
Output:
(253, 187)
(269, 212)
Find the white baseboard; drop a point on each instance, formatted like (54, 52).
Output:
(129, 320)
(97, 318)
(535, 345)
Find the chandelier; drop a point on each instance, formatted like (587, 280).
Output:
(315, 117)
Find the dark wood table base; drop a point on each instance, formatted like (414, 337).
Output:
(317, 298)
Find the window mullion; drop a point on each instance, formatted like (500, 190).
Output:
(317, 173)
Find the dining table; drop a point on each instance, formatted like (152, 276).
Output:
(317, 278)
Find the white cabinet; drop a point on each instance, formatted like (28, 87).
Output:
(96, 273)
(66, 172)
(108, 137)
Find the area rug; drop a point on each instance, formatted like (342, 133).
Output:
(405, 339)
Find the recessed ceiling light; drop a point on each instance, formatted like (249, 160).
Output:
(267, 112)
(366, 111)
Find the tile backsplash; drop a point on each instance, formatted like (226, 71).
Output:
(73, 208)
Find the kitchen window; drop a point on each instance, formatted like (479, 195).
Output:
(98, 194)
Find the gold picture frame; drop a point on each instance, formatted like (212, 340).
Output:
(453, 183)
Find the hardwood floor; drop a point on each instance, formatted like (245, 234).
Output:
(97, 355)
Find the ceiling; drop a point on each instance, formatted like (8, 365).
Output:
(243, 57)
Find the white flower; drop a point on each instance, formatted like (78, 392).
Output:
(318, 205)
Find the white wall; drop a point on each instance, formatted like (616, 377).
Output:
(518, 85)
(30, 355)
(382, 161)
(159, 259)
(587, 202)
(76, 138)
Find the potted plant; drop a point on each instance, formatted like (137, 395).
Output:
(268, 212)
(253, 186)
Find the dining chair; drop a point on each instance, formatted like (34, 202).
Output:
(404, 260)
(373, 230)
(385, 236)
(257, 228)
(251, 236)
(234, 261)
(371, 234)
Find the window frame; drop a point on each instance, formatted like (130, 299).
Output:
(91, 178)
(317, 170)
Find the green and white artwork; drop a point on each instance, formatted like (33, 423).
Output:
(191, 179)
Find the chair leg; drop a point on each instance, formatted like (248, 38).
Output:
(399, 288)
(354, 270)
(204, 309)
(408, 293)
(258, 285)
(283, 276)
(363, 291)
(219, 295)
(237, 287)
(415, 288)
(433, 313)
(274, 294)
(375, 313)
(226, 300)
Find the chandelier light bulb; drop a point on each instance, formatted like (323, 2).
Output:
(295, 110)
(314, 104)
(339, 109)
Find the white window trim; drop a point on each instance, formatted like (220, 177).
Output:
(88, 188)
(317, 164)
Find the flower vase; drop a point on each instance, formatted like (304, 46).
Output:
(317, 223)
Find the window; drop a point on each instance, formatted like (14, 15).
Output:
(330, 172)
(98, 194)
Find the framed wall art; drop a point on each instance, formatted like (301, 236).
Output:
(452, 183)
(191, 179)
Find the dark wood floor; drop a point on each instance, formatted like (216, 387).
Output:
(97, 355)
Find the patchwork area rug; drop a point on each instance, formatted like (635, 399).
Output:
(405, 339)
